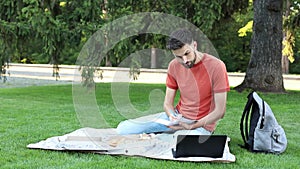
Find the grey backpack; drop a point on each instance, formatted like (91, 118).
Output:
(263, 133)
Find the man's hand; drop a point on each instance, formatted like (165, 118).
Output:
(173, 118)
(183, 126)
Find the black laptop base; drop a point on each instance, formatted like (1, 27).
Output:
(200, 146)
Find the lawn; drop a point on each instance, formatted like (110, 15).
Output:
(31, 114)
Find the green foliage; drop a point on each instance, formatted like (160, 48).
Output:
(50, 25)
(54, 31)
(236, 55)
(192, 11)
(291, 23)
(233, 50)
(295, 66)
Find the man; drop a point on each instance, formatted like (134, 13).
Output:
(203, 84)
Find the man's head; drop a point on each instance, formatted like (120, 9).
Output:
(179, 38)
(183, 47)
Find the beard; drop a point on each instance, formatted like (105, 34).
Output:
(190, 64)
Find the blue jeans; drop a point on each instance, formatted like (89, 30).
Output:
(146, 124)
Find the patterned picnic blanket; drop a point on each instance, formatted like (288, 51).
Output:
(107, 141)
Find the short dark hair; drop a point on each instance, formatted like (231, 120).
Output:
(179, 38)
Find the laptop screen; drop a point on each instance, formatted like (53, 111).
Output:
(200, 146)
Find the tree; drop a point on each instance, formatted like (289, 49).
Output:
(264, 71)
(192, 11)
(8, 32)
(57, 29)
(51, 27)
(291, 23)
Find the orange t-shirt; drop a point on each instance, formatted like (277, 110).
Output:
(197, 86)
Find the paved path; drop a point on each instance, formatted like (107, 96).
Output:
(22, 75)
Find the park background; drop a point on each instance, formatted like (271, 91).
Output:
(54, 32)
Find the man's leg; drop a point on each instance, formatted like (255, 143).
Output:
(197, 131)
(144, 124)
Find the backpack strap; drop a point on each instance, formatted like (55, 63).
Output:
(244, 120)
(263, 115)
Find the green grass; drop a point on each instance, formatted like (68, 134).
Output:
(31, 114)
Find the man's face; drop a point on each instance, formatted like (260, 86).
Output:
(186, 55)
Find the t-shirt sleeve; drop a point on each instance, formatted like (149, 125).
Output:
(171, 82)
(220, 82)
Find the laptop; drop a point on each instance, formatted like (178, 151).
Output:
(200, 146)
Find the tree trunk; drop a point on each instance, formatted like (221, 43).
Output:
(264, 71)
(285, 61)
(107, 58)
(285, 64)
(153, 58)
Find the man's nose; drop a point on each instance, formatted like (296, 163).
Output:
(184, 58)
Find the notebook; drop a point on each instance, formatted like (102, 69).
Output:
(200, 146)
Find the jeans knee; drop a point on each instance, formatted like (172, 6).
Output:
(120, 128)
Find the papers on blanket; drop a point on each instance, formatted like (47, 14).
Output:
(175, 122)
(167, 122)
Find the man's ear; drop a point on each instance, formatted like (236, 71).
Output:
(195, 45)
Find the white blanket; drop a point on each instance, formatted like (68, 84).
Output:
(107, 141)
